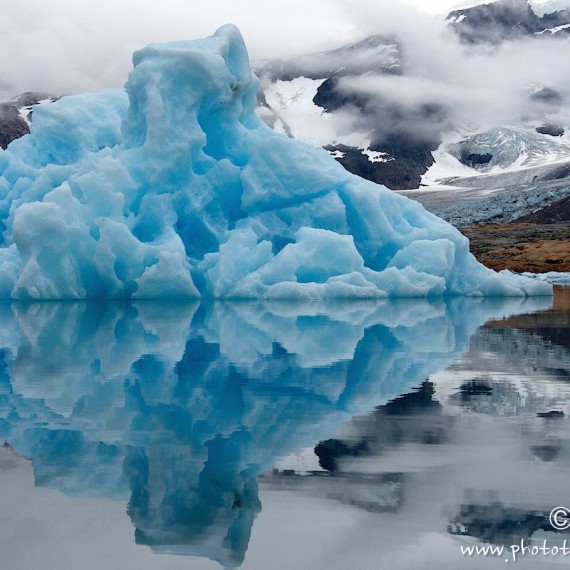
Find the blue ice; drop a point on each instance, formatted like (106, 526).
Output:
(174, 188)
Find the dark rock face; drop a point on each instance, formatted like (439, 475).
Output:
(505, 20)
(12, 126)
(474, 159)
(550, 129)
(406, 139)
(405, 163)
(331, 97)
(12, 123)
(556, 212)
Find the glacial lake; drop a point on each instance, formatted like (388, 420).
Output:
(390, 434)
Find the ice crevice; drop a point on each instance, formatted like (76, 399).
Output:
(173, 188)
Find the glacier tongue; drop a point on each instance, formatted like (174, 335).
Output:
(177, 190)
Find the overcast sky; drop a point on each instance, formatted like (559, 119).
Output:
(70, 46)
(74, 46)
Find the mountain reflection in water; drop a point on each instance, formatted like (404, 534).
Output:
(184, 410)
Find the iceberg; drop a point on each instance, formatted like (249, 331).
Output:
(174, 189)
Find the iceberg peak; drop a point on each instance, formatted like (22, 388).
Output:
(190, 92)
(174, 188)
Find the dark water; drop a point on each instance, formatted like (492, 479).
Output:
(394, 434)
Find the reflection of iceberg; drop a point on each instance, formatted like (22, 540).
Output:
(177, 190)
(152, 400)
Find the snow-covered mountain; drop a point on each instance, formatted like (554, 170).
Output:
(496, 176)
(348, 102)
(313, 99)
(542, 7)
(503, 20)
(499, 150)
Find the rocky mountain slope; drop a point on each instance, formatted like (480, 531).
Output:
(495, 22)
(334, 99)
(338, 100)
(15, 116)
(313, 98)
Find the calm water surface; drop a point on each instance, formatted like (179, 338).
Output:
(384, 435)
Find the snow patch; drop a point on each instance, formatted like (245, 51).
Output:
(377, 156)
(292, 102)
(554, 30)
(456, 19)
(542, 7)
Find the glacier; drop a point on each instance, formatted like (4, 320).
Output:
(173, 188)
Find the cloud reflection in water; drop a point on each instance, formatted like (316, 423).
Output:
(180, 406)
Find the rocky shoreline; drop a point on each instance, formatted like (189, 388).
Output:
(537, 248)
(538, 242)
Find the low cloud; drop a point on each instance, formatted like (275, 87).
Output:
(65, 46)
(478, 89)
(443, 83)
